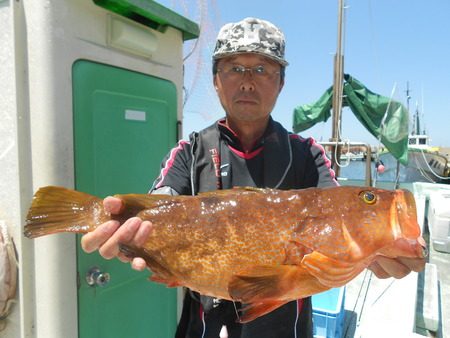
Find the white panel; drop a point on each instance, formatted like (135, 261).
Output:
(132, 38)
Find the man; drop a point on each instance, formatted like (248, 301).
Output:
(246, 148)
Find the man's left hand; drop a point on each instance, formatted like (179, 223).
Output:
(385, 267)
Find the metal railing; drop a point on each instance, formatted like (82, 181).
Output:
(349, 145)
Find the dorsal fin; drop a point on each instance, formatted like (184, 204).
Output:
(234, 190)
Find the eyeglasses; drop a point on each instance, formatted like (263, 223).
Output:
(237, 72)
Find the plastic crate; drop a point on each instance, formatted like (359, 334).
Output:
(329, 313)
(439, 220)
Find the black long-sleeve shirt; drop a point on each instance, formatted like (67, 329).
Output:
(214, 159)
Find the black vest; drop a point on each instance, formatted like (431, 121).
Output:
(210, 151)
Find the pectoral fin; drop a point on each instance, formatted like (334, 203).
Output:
(259, 282)
(265, 288)
(283, 282)
(329, 271)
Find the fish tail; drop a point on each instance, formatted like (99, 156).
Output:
(57, 209)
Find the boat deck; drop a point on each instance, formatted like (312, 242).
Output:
(394, 307)
(442, 262)
(380, 307)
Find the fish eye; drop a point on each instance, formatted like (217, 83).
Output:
(368, 197)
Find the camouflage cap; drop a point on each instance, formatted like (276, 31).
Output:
(251, 35)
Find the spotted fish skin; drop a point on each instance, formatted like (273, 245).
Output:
(263, 247)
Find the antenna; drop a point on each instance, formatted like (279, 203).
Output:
(337, 89)
(423, 112)
(416, 117)
(408, 98)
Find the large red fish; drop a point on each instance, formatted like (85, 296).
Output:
(262, 247)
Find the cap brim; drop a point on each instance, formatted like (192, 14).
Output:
(282, 62)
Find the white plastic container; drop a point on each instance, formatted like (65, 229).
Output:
(439, 220)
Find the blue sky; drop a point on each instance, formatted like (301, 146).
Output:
(387, 44)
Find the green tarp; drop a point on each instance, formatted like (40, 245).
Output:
(369, 108)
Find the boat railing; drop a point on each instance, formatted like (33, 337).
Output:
(349, 145)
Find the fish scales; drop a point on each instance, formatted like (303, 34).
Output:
(221, 229)
(263, 247)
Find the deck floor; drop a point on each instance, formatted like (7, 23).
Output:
(387, 307)
(442, 261)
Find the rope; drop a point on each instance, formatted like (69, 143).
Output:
(431, 169)
(347, 163)
(382, 126)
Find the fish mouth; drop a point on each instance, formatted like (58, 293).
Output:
(404, 215)
(406, 230)
(424, 250)
(402, 247)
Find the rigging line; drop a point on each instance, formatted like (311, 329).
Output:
(422, 171)
(382, 126)
(426, 176)
(236, 311)
(383, 120)
(347, 162)
(431, 169)
(364, 284)
(216, 11)
(339, 135)
(365, 298)
(373, 42)
(186, 95)
(397, 177)
(356, 301)
(338, 81)
(192, 50)
(422, 109)
(383, 292)
(196, 43)
(184, 5)
(343, 45)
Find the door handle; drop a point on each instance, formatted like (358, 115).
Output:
(96, 277)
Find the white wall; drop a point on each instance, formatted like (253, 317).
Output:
(39, 42)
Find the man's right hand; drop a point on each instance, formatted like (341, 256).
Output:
(107, 236)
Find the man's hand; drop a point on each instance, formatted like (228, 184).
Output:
(384, 267)
(107, 236)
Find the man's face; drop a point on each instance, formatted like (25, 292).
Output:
(247, 96)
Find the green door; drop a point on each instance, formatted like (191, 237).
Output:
(124, 124)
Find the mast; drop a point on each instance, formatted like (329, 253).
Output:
(418, 132)
(408, 98)
(415, 130)
(337, 90)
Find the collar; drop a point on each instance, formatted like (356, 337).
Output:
(277, 148)
(232, 139)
